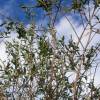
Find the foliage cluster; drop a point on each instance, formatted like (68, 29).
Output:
(41, 66)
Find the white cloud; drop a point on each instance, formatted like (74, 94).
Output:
(3, 55)
(64, 28)
(6, 9)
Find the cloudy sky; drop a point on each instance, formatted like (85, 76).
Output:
(10, 8)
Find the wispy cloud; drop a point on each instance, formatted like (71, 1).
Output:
(7, 8)
(64, 28)
(3, 55)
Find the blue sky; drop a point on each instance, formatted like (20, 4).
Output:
(11, 8)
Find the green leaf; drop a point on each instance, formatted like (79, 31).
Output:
(21, 31)
(46, 5)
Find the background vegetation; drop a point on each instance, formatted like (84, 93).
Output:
(39, 66)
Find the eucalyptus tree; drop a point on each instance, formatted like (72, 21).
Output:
(41, 66)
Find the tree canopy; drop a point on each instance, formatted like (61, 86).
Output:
(41, 66)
